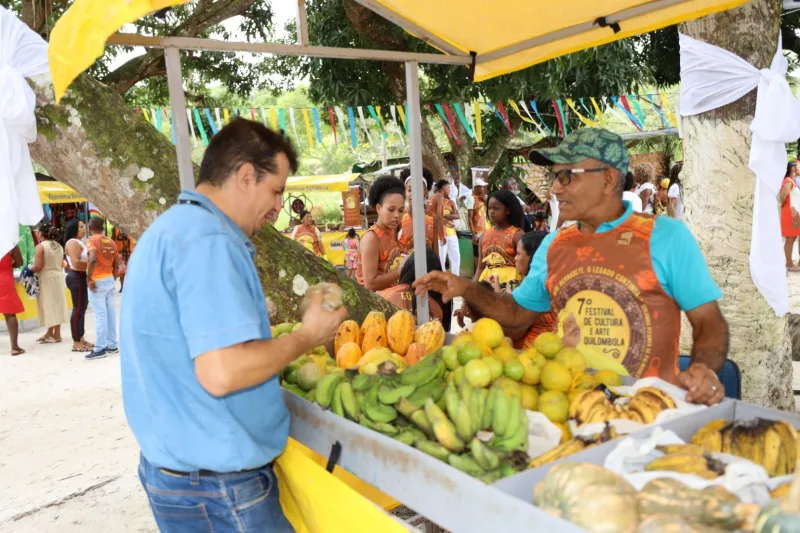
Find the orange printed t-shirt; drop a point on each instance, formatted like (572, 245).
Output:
(389, 257)
(106, 251)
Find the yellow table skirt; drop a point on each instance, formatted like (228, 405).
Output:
(31, 309)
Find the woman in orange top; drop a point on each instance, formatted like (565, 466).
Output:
(406, 237)
(497, 250)
(379, 258)
(124, 250)
(790, 217)
(307, 234)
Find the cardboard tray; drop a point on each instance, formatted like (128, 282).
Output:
(521, 485)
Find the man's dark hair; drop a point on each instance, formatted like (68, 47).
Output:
(441, 184)
(96, 224)
(675, 173)
(244, 141)
(426, 175)
(629, 181)
(508, 183)
(383, 187)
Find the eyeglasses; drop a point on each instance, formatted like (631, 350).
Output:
(564, 176)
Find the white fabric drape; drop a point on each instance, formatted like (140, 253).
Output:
(712, 77)
(22, 54)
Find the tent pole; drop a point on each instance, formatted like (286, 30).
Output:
(177, 101)
(415, 164)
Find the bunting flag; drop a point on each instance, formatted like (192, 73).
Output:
(364, 124)
(294, 125)
(273, 118)
(157, 114)
(651, 100)
(452, 122)
(219, 120)
(353, 136)
(200, 127)
(340, 116)
(146, 114)
(504, 115)
(282, 119)
(446, 123)
(667, 110)
(307, 122)
(599, 114)
(534, 122)
(515, 107)
(253, 114)
(625, 103)
(559, 114)
(627, 112)
(333, 124)
(638, 107)
(191, 127)
(315, 116)
(378, 121)
(539, 116)
(585, 120)
(446, 129)
(402, 114)
(476, 110)
(226, 115)
(211, 123)
(464, 122)
(394, 120)
(264, 117)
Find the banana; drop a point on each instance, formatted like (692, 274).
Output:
(336, 403)
(517, 441)
(462, 421)
(406, 437)
(788, 441)
(666, 399)
(500, 414)
(325, 388)
(421, 420)
(386, 429)
(488, 409)
(362, 383)
(405, 407)
(712, 427)
(580, 406)
(433, 389)
(418, 433)
(451, 399)
(434, 449)
(366, 422)
(728, 433)
(466, 464)
(376, 411)
(686, 463)
(513, 417)
(601, 413)
(428, 369)
(389, 396)
(646, 405)
(349, 402)
(491, 477)
(311, 395)
(476, 403)
(562, 450)
(486, 458)
(294, 389)
(681, 448)
(444, 430)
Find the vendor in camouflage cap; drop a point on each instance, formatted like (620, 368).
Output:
(617, 280)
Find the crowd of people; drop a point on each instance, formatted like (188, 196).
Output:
(84, 261)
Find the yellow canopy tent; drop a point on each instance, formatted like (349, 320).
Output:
(54, 192)
(333, 183)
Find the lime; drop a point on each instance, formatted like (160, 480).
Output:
(450, 357)
(514, 369)
(548, 344)
(495, 366)
(469, 351)
(477, 373)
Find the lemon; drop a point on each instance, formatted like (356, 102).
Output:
(572, 359)
(556, 377)
(532, 374)
(554, 405)
(535, 357)
(495, 366)
(583, 382)
(478, 373)
(509, 387)
(469, 351)
(462, 338)
(530, 397)
(487, 331)
(504, 353)
(609, 378)
(548, 344)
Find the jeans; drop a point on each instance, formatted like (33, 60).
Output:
(246, 502)
(449, 250)
(102, 300)
(76, 282)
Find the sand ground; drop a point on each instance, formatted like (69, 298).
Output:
(67, 459)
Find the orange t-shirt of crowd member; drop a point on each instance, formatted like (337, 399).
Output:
(106, 251)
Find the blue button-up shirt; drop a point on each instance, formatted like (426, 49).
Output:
(192, 287)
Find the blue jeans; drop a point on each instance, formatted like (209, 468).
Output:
(220, 503)
(105, 316)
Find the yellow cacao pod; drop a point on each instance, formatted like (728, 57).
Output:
(348, 332)
(400, 331)
(415, 352)
(348, 355)
(431, 336)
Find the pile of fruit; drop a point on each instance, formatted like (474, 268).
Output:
(574, 445)
(773, 444)
(603, 502)
(602, 405)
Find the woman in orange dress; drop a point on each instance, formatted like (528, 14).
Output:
(379, 257)
(307, 234)
(788, 197)
(497, 250)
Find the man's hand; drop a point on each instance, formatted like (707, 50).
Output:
(319, 326)
(448, 285)
(92, 285)
(702, 385)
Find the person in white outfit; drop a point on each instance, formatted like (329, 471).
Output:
(647, 193)
(675, 193)
(449, 248)
(629, 195)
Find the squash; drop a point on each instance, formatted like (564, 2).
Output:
(348, 355)
(348, 332)
(588, 495)
(431, 336)
(415, 353)
(712, 506)
(400, 331)
(782, 516)
(661, 523)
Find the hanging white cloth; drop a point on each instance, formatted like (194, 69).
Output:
(712, 77)
(23, 53)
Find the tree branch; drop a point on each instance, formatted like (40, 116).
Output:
(206, 15)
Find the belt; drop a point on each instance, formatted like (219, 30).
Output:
(211, 473)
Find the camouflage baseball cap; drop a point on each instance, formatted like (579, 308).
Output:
(587, 143)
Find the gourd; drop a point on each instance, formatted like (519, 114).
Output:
(348, 332)
(415, 353)
(373, 332)
(712, 506)
(348, 355)
(782, 516)
(661, 523)
(588, 495)
(400, 331)
(431, 335)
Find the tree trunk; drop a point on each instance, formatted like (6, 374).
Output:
(719, 191)
(98, 145)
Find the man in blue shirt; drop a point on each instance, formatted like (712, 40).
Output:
(199, 367)
(616, 280)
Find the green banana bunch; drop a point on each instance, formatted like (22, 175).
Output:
(376, 411)
(462, 421)
(405, 407)
(434, 449)
(325, 388)
(422, 422)
(515, 406)
(488, 409)
(500, 414)
(336, 403)
(428, 369)
(351, 406)
(443, 428)
(406, 437)
(451, 399)
(433, 389)
(516, 440)
(390, 396)
(466, 464)
(294, 389)
(476, 406)
(311, 395)
(362, 383)
(486, 458)
(386, 429)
